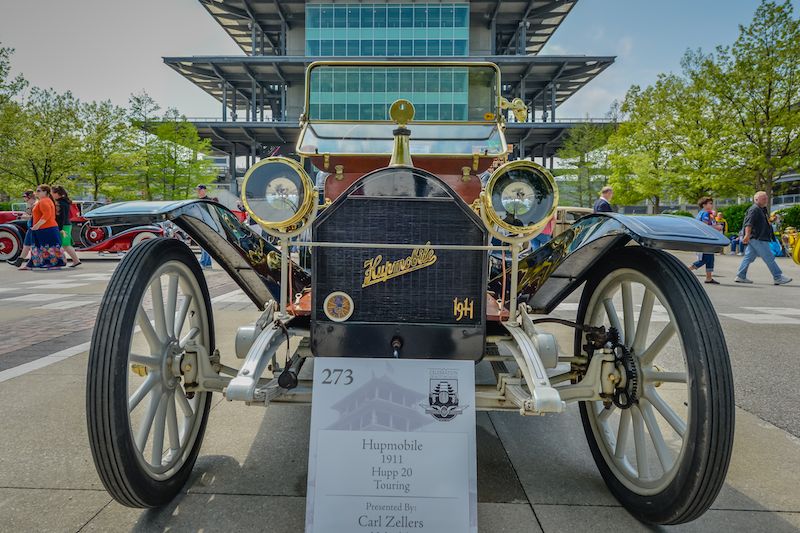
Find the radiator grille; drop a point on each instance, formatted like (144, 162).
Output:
(422, 296)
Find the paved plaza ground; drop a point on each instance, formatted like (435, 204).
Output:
(534, 473)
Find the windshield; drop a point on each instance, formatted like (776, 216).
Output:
(485, 139)
(440, 93)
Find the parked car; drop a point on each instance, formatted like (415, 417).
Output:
(17, 210)
(400, 269)
(86, 238)
(567, 216)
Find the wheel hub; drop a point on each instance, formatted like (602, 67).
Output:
(626, 393)
(170, 368)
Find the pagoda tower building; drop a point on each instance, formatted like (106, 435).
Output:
(261, 93)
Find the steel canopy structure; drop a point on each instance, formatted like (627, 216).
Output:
(526, 77)
(262, 93)
(518, 26)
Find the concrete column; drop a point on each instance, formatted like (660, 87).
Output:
(261, 104)
(553, 102)
(234, 183)
(224, 101)
(253, 100)
(523, 37)
(253, 39)
(544, 105)
(493, 31)
(233, 107)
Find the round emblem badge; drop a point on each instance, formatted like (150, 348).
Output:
(338, 306)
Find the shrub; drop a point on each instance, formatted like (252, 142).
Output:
(734, 214)
(790, 217)
(5, 206)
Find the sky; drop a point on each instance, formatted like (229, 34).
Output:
(107, 49)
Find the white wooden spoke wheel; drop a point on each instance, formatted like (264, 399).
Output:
(666, 454)
(145, 429)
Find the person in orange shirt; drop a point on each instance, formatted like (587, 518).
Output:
(46, 251)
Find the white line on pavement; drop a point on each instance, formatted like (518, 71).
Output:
(42, 362)
(36, 297)
(48, 360)
(69, 304)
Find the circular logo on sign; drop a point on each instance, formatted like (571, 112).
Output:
(338, 306)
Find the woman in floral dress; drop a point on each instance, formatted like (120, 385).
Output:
(46, 251)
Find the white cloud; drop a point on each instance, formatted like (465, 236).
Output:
(598, 33)
(554, 50)
(625, 46)
(592, 100)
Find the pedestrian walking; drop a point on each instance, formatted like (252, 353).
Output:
(46, 252)
(603, 204)
(205, 258)
(64, 211)
(30, 201)
(757, 236)
(706, 216)
(736, 243)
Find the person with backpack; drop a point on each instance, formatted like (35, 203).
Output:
(64, 212)
(758, 235)
(706, 216)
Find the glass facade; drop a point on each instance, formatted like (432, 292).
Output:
(439, 94)
(370, 30)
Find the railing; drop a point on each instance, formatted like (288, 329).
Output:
(268, 120)
(240, 119)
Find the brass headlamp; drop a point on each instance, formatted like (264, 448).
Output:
(520, 198)
(277, 193)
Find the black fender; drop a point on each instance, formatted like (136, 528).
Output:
(552, 272)
(252, 262)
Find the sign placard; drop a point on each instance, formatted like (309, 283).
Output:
(392, 446)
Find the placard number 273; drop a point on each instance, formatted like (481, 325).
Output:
(333, 376)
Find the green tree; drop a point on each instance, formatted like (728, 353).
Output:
(142, 115)
(641, 151)
(176, 158)
(584, 151)
(754, 88)
(107, 141)
(9, 87)
(44, 146)
(10, 116)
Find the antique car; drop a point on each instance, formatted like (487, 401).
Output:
(401, 268)
(566, 216)
(86, 237)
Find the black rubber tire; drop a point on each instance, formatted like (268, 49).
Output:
(110, 438)
(709, 438)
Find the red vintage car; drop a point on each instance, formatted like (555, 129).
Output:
(87, 238)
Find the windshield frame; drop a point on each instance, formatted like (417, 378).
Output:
(305, 118)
